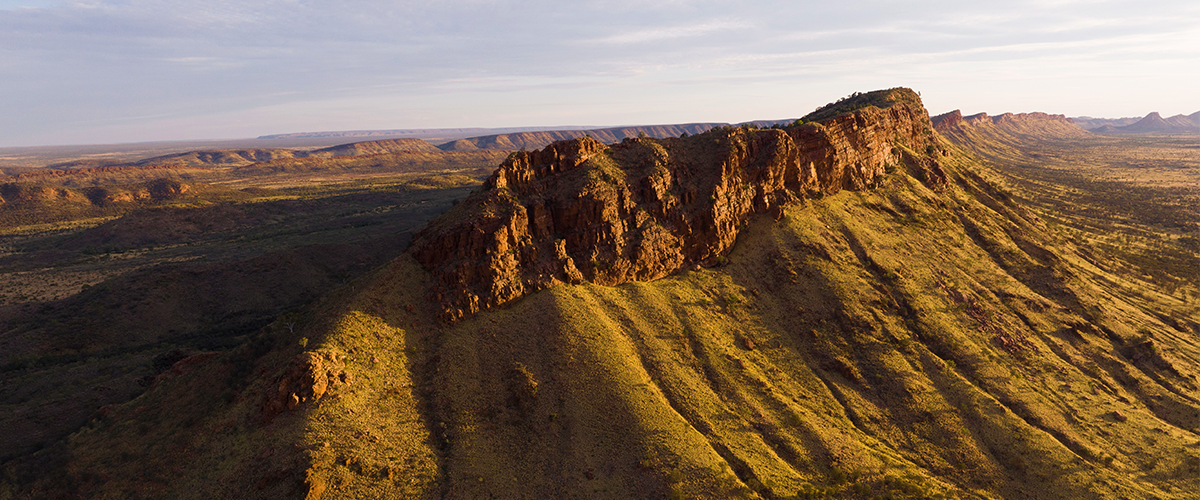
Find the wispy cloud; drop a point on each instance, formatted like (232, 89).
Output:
(670, 33)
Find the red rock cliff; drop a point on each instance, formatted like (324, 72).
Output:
(644, 208)
(1030, 123)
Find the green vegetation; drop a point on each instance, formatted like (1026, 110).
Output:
(858, 100)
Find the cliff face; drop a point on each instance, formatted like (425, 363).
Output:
(1030, 123)
(644, 208)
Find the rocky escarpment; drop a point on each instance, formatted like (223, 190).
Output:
(1029, 123)
(644, 208)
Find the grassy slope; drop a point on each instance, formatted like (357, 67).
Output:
(894, 341)
(1135, 199)
(844, 341)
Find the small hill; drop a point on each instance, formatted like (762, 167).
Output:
(110, 175)
(219, 157)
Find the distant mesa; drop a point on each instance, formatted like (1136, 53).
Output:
(377, 147)
(947, 120)
(1025, 123)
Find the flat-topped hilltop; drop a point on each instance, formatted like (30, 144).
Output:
(643, 208)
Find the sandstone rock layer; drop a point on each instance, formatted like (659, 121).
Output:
(644, 208)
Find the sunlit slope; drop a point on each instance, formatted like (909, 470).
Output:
(891, 341)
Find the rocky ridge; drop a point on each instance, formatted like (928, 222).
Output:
(947, 121)
(954, 124)
(644, 208)
(34, 193)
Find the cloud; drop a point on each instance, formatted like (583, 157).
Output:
(670, 33)
(108, 65)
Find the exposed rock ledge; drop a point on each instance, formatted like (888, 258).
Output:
(954, 119)
(644, 208)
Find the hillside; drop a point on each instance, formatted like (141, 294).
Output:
(859, 306)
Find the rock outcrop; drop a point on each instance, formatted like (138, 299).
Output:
(308, 377)
(644, 208)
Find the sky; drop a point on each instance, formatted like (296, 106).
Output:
(101, 71)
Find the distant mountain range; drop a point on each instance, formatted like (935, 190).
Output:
(471, 139)
(233, 157)
(1151, 123)
(415, 133)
